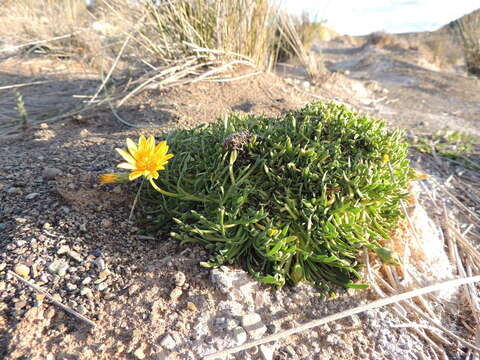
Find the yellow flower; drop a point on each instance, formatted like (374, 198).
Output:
(145, 159)
(385, 158)
(114, 178)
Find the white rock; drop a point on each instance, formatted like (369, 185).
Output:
(168, 342)
(64, 249)
(253, 325)
(58, 267)
(266, 352)
(239, 335)
(22, 270)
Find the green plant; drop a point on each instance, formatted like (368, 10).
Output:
(290, 199)
(22, 111)
(453, 145)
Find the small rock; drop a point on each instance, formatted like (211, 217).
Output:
(192, 306)
(64, 249)
(3, 266)
(75, 256)
(71, 287)
(100, 264)
(139, 354)
(132, 289)
(22, 270)
(20, 304)
(106, 223)
(87, 280)
(32, 196)
(102, 286)
(266, 352)
(47, 226)
(103, 274)
(50, 173)
(179, 278)
(168, 342)
(86, 292)
(81, 309)
(44, 278)
(13, 190)
(253, 324)
(20, 242)
(58, 267)
(175, 294)
(2, 285)
(239, 335)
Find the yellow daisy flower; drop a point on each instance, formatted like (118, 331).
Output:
(145, 159)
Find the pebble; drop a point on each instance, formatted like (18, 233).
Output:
(22, 270)
(58, 267)
(239, 335)
(192, 306)
(139, 354)
(103, 274)
(100, 264)
(102, 286)
(2, 285)
(64, 249)
(82, 310)
(168, 342)
(86, 292)
(31, 196)
(175, 294)
(253, 324)
(266, 352)
(75, 256)
(20, 242)
(106, 223)
(20, 304)
(87, 280)
(50, 173)
(179, 278)
(71, 287)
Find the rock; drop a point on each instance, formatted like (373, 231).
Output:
(64, 249)
(175, 294)
(139, 354)
(179, 278)
(13, 190)
(106, 223)
(192, 306)
(132, 289)
(20, 242)
(86, 292)
(22, 270)
(58, 267)
(266, 352)
(168, 342)
(102, 286)
(50, 173)
(71, 287)
(103, 274)
(20, 304)
(87, 280)
(81, 309)
(100, 264)
(75, 256)
(239, 335)
(3, 285)
(252, 323)
(32, 196)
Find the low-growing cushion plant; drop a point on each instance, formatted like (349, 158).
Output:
(290, 199)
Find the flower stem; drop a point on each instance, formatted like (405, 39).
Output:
(135, 202)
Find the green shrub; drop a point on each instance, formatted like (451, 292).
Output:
(289, 199)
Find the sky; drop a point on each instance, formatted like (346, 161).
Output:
(361, 17)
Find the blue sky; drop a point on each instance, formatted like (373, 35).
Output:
(360, 17)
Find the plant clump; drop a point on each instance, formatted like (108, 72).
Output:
(293, 199)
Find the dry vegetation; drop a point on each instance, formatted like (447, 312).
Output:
(131, 46)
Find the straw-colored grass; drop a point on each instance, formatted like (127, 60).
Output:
(468, 29)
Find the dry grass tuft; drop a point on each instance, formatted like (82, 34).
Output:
(468, 28)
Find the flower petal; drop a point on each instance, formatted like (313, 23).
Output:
(126, 156)
(142, 142)
(126, 166)
(131, 146)
(135, 174)
(161, 149)
(151, 143)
